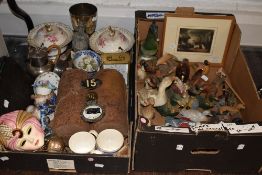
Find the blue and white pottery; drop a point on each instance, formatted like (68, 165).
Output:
(87, 60)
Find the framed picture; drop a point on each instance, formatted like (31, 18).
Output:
(198, 37)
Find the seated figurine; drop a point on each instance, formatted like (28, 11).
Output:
(20, 130)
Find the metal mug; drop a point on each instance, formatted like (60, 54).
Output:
(86, 14)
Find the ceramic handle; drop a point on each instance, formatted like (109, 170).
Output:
(58, 51)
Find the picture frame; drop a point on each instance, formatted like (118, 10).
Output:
(197, 37)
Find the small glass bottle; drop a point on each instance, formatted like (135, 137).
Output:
(80, 39)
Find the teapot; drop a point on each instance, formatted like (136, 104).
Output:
(38, 59)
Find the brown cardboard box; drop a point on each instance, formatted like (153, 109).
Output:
(114, 163)
(216, 151)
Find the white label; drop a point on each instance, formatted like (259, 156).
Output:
(208, 127)
(90, 159)
(205, 78)
(4, 158)
(243, 129)
(171, 129)
(240, 146)
(155, 15)
(6, 103)
(99, 165)
(61, 164)
(179, 147)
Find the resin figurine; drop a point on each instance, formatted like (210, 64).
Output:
(149, 46)
(45, 101)
(183, 70)
(20, 130)
(159, 96)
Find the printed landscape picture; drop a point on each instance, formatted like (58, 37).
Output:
(195, 40)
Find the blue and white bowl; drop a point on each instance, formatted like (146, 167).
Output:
(87, 60)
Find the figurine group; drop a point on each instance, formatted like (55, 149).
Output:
(181, 91)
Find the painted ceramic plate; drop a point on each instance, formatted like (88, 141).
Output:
(52, 77)
(87, 60)
(111, 40)
(110, 140)
(82, 142)
(46, 34)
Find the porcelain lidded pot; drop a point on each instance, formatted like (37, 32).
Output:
(111, 40)
(38, 59)
(50, 33)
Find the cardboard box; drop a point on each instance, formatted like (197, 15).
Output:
(116, 163)
(159, 148)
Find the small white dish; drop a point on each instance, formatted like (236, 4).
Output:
(111, 40)
(52, 77)
(110, 140)
(87, 60)
(82, 142)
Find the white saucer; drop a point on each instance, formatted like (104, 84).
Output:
(82, 142)
(109, 140)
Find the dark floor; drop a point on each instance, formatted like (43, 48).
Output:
(131, 173)
(17, 48)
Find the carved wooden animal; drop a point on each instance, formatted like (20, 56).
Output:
(231, 109)
(148, 111)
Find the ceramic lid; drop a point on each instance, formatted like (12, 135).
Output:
(50, 33)
(111, 40)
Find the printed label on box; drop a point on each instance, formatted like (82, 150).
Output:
(243, 129)
(61, 164)
(155, 15)
(171, 129)
(207, 127)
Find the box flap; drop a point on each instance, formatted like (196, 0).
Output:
(185, 11)
(242, 81)
(233, 49)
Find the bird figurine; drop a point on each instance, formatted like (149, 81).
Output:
(149, 46)
(141, 73)
(159, 95)
(149, 111)
(166, 65)
(195, 115)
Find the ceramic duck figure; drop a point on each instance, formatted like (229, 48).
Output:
(150, 44)
(159, 96)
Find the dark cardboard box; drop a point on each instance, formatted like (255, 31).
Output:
(216, 151)
(119, 163)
